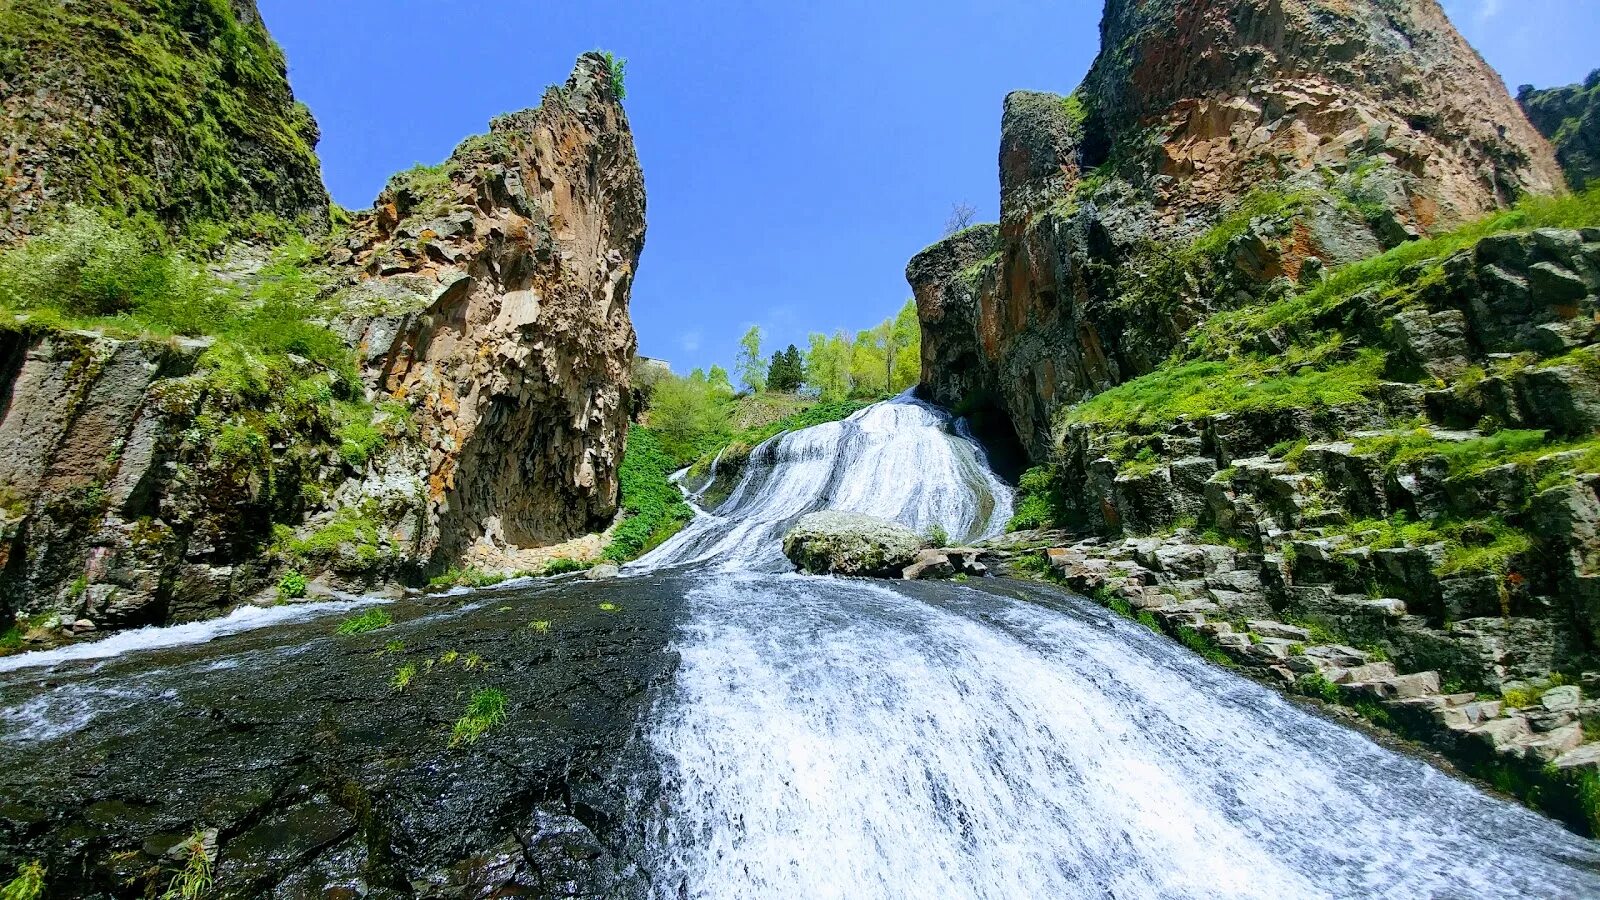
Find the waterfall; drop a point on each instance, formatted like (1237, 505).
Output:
(901, 459)
(830, 737)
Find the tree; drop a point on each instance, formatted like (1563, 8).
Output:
(751, 367)
(961, 215)
(689, 413)
(827, 365)
(787, 370)
(718, 379)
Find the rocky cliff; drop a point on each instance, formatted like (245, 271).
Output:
(1215, 150)
(451, 370)
(1570, 117)
(179, 110)
(492, 296)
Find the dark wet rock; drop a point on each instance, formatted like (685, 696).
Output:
(322, 777)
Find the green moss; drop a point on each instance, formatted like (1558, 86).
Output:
(199, 121)
(1486, 545)
(350, 542)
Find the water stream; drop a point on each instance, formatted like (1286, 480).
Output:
(816, 738)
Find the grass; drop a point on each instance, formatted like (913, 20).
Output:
(541, 626)
(11, 638)
(1039, 502)
(1325, 376)
(28, 885)
(351, 541)
(486, 710)
(194, 880)
(1487, 545)
(403, 677)
(608, 607)
(371, 620)
(468, 577)
(562, 565)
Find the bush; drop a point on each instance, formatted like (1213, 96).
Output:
(291, 586)
(1039, 503)
(562, 565)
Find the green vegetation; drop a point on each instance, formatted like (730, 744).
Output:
(542, 626)
(616, 72)
(1315, 685)
(1323, 376)
(194, 880)
(468, 577)
(937, 535)
(350, 542)
(608, 607)
(1039, 503)
(654, 506)
(562, 565)
(1477, 545)
(199, 124)
(11, 638)
(28, 885)
(486, 710)
(403, 677)
(371, 620)
(291, 586)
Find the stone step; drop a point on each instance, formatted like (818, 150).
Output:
(1368, 672)
(1270, 629)
(1398, 687)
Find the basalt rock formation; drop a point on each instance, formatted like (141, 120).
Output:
(179, 110)
(493, 298)
(485, 306)
(1570, 117)
(1274, 139)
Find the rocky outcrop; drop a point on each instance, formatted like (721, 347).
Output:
(842, 543)
(492, 297)
(179, 110)
(151, 481)
(1570, 117)
(1216, 152)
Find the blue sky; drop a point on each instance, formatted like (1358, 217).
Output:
(795, 154)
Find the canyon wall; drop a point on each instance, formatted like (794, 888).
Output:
(1570, 117)
(1276, 139)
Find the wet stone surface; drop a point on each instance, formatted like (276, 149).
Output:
(322, 777)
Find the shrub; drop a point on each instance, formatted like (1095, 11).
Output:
(937, 535)
(562, 565)
(486, 710)
(654, 506)
(1039, 503)
(371, 620)
(291, 586)
(616, 72)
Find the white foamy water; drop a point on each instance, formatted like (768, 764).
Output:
(837, 738)
(245, 618)
(901, 459)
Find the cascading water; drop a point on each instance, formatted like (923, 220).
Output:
(840, 738)
(902, 460)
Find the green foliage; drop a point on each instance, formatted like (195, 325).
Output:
(786, 372)
(1039, 503)
(28, 885)
(616, 72)
(198, 123)
(1202, 645)
(291, 586)
(11, 638)
(486, 709)
(194, 880)
(1315, 685)
(1077, 111)
(689, 415)
(1323, 376)
(371, 620)
(752, 371)
(468, 577)
(351, 541)
(562, 565)
(654, 505)
(403, 677)
(937, 535)
(1486, 545)
(884, 359)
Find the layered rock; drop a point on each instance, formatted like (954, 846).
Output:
(150, 481)
(1216, 151)
(177, 110)
(492, 297)
(1570, 117)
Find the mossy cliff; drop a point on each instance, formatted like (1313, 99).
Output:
(1291, 311)
(178, 110)
(199, 415)
(1570, 117)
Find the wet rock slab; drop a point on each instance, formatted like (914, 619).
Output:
(323, 777)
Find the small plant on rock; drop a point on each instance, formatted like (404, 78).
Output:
(371, 620)
(486, 710)
(540, 627)
(194, 879)
(28, 885)
(403, 677)
(291, 586)
(937, 536)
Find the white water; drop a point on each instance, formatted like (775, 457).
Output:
(844, 738)
(245, 618)
(901, 460)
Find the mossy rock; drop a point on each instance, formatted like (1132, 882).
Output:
(839, 543)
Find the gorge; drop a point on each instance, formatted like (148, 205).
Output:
(1247, 508)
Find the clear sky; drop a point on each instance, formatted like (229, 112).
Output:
(795, 155)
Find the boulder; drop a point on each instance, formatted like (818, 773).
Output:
(841, 543)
